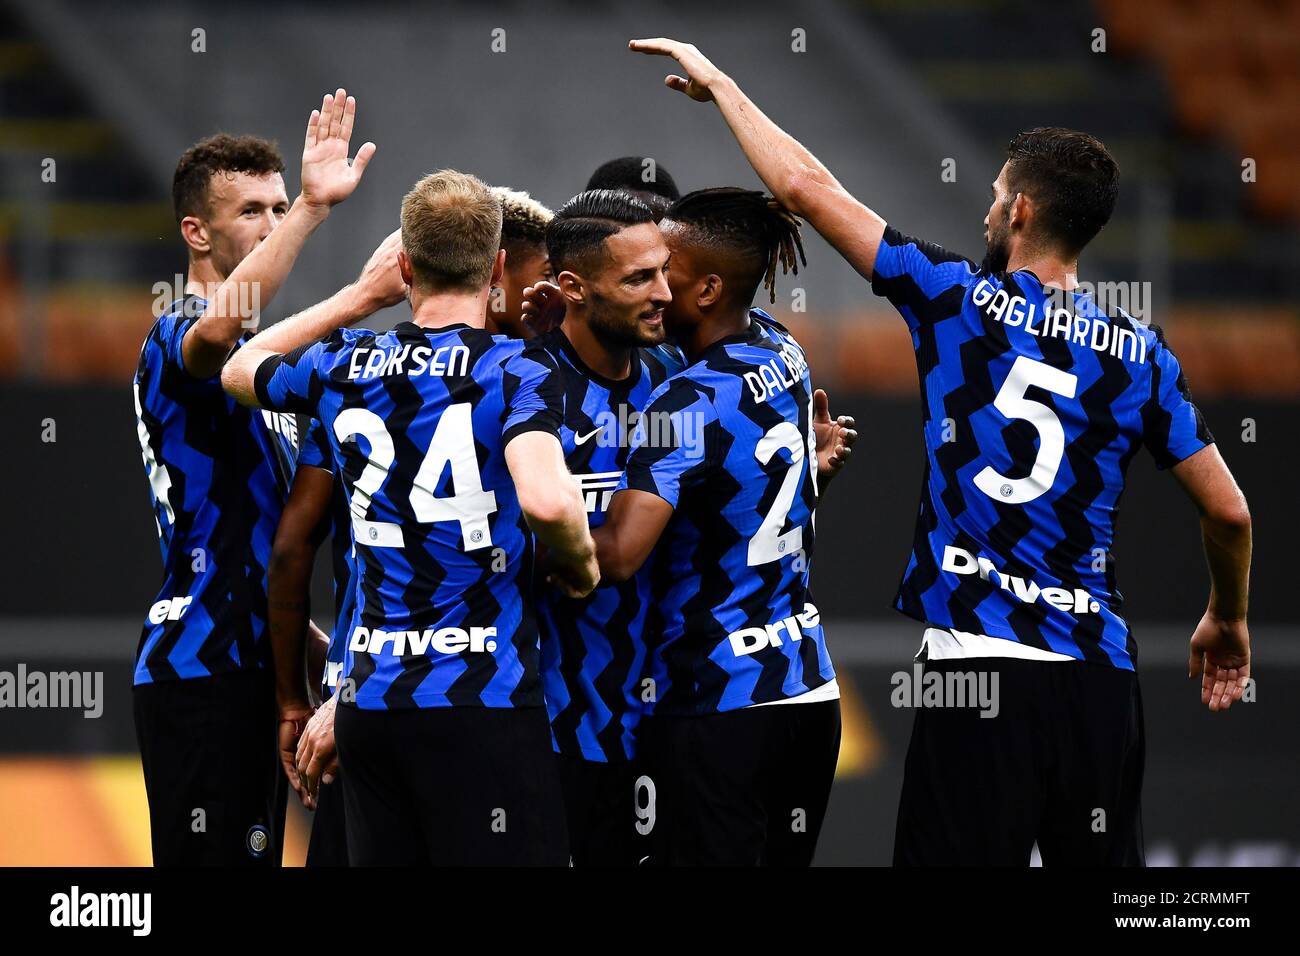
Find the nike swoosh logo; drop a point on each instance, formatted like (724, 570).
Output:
(583, 439)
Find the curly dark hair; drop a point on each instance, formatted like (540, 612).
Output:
(221, 153)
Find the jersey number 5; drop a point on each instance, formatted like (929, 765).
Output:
(1012, 403)
(452, 444)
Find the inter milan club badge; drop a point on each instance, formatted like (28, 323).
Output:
(259, 841)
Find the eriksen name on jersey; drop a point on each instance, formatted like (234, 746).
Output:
(424, 360)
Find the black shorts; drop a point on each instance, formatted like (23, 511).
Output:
(328, 845)
(1060, 765)
(211, 770)
(600, 807)
(450, 786)
(741, 788)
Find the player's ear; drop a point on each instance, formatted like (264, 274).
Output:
(195, 234)
(498, 268)
(404, 267)
(570, 284)
(1021, 210)
(710, 291)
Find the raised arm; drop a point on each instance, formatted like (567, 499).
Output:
(553, 507)
(327, 179)
(793, 175)
(379, 285)
(1220, 646)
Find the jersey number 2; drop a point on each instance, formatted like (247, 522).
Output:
(768, 543)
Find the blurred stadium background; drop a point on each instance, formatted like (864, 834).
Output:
(1184, 92)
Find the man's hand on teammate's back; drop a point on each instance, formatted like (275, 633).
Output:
(327, 176)
(1220, 654)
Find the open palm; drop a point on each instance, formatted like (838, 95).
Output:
(327, 176)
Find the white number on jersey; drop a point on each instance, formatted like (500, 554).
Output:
(1012, 403)
(452, 444)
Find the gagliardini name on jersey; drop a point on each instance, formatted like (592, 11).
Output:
(960, 561)
(369, 363)
(1099, 334)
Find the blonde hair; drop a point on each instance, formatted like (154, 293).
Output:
(524, 219)
(451, 230)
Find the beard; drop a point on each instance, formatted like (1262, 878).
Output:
(997, 248)
(617, 328)
(996, 254)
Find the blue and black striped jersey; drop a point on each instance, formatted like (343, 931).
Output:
(316, 453)
(418, 421)
(728, 442)
(218, 475)
(593, 649)
(1035, 402)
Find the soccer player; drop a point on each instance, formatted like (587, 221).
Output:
(640, 176)
(612, 263)
(742, 734)
(447, 441)
(523, 237)
(203, 696)
(317, 507)
(1046, 398)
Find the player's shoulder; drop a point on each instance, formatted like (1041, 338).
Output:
(661, 361)
(175, 319)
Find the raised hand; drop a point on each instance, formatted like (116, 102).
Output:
(1220, 655)
(700, 73)
(327, 176)
(835, 437)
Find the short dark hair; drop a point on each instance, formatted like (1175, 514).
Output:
(221, 153)
(755, 230)
(578, 232)
(1072, 179)
(628, 173)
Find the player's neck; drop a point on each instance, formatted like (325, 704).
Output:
(606, 359)
(711, 329)
(434, 310)
(202, 278)
(1051, 270)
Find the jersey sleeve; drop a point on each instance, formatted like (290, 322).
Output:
(171, 330)
(315, 449)
(671, 450)
(534, 397)
(919, 278)
(295, 381)
(1172, 426)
